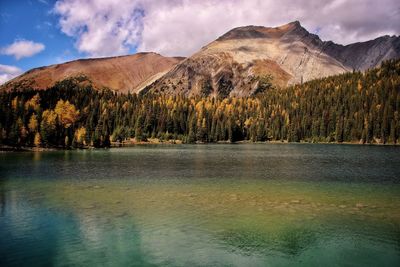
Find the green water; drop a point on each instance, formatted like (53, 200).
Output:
(202, 205)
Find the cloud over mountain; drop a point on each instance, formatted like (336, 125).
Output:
(180, 27)
(22, 48)
(8, 72)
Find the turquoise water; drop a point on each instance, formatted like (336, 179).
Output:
(202, 205)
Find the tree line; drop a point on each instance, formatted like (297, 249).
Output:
(352, 107)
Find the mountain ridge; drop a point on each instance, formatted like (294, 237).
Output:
(232, 65)
(120, 73)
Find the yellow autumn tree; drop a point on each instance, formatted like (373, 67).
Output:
(22, 132)
(66, 112)
(33, 123)
(49, 118)
(80, 136)
(33, 103)
(37, 141)
(48, 125)
(14, 103)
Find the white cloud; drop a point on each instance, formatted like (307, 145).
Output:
(22, 48)
(101, 28)
(8, 72)
(180, 27)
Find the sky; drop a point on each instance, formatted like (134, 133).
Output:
(36, 33)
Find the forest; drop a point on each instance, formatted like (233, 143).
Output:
(357, 107)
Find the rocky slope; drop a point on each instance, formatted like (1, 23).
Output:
(242, 62)
(123, 74)
(365, 55)
(236, 62)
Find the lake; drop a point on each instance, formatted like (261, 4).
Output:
(202, 205)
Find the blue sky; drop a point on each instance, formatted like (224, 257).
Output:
(36, 33)
(34, 21)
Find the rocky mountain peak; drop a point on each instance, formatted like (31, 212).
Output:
(254, 32)
(232, 65)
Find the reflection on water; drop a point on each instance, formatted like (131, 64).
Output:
(221, 205)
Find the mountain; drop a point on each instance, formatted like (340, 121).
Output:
(365, 55)
(123, 74)
(242, 62)
(235, 63)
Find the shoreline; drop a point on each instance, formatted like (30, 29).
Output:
(4, 148)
